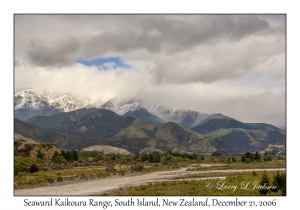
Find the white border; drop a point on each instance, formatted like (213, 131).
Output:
(8, 8)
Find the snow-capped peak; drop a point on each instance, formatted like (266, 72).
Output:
(62, 101)
(129, 105)
(29, 99)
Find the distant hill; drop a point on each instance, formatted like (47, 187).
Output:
(103, 127)
(100, 122)
(88, 127)
(214, 116)
(106, 149)
(264, 127)
(27, 147)
(143, 114)
(215, 124)
(240, 136)
(30, 131)
(22, 138)
(59, 122)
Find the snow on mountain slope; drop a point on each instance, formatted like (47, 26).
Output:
(28, 103)
(108, 105)
(129, 105)
(124, 106)
(184, 117)
(156, 113)
(67, 102)
(30, 99)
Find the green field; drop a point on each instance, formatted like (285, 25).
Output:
(236, 184)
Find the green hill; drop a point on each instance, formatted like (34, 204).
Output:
(89, 127)
(215, 124)
(59, 122)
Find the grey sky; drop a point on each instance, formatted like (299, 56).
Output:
(233, 64)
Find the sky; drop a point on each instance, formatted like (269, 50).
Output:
(229, 64)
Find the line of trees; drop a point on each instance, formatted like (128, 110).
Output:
(65, 156)
(250, 157)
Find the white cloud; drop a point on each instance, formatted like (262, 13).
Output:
(233, 64)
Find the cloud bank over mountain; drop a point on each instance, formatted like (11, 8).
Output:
(230, 64)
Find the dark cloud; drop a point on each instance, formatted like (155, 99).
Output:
(53, 52)
(119, 41)
(248, 25)
(113, 33)
(204, 29)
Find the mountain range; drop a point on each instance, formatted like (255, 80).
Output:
(70, 123)
(28, 103)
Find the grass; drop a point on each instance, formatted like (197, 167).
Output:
(211, 174)
(45, 178)
(200, 188)
(241, 165)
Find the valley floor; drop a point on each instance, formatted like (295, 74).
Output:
(106, 185)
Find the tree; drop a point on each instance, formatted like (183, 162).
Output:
(39, 154)
(151, 158)
(74, 155)
(156, 158)
(55, 154)
(283, 184)
(63, 153)
(265, 182)
(256, 156)
(114, 157)
(279, 180)
(276, 182)
(68, 156)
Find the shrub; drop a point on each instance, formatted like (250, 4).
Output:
(181, 159)
(23, 163)
(60, 159)
(16, 168)
(99, 157)
(168, 160)
(33, 168)
(136, 167)
(110, 168)
(267, 159)
(243, 158)
(248, 160)
(107, 158)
